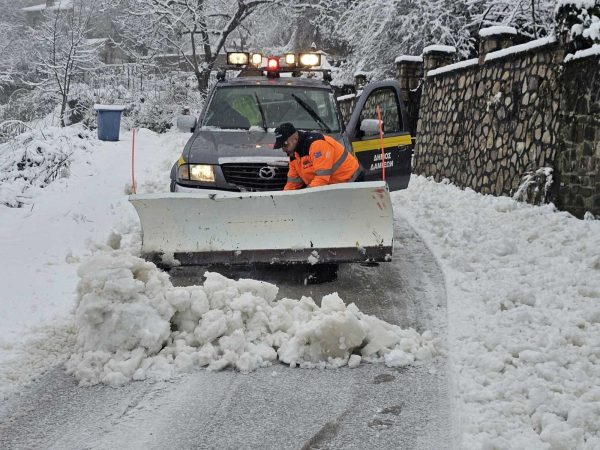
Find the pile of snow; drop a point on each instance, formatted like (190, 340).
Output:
(132, 324)
(37, 158)
(523, 286)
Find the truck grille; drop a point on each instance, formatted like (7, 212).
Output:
(247, 176)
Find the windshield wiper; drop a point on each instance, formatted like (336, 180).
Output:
(312, 113)
(262, 112)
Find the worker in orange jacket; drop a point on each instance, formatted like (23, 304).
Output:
(315, 159)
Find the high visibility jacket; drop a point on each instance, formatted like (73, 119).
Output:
(320, 160)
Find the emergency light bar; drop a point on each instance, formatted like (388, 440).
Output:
(309, 59)
(295, 63)
(290, 59)
(238, 58)
(256, 59)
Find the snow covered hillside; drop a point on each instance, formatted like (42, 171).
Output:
(523, 287)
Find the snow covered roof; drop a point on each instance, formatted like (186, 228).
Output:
(66, 4)
(492, 31)
(93, 41)
(408, 58)
(439, 48)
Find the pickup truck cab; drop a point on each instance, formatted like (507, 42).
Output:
(231, 147)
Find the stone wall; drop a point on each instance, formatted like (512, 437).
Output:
(346, 103)
(484, 126)
(520, 119)
(578, 161)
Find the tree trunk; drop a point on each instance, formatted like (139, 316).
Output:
(202, 77)
(63, 108)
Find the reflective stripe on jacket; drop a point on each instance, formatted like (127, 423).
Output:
(320, 160)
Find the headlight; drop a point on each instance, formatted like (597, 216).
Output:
(201, 172)
(183, 172)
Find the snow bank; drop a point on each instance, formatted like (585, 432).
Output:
(36, 158)
(132, 324)
(523, 287)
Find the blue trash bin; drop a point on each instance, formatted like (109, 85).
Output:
(109, 121)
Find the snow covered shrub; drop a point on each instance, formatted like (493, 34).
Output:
(152, 114)
(582, 19)
(37, 158)
(535, 187)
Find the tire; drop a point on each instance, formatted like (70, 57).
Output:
(322, 273)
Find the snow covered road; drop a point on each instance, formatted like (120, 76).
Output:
(372, 406)
(520, 359)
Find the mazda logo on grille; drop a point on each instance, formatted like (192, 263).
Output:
(267, 173)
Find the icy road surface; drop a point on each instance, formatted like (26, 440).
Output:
(278, 407)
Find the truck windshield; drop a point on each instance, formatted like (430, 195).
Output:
(239, 107)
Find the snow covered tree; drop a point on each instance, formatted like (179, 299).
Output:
(534, 18)
(581, 18)
(379, 31)
(14, 46)
(197, 30)
(61, 48)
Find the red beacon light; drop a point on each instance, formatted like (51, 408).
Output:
(272, 67)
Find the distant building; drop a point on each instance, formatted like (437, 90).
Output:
(34, 14)
(108, 51)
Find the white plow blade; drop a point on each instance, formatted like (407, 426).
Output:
(337, 223)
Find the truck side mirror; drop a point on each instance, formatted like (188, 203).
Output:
(370, 127)
(187, 124)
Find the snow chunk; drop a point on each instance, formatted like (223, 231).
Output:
(354, 361)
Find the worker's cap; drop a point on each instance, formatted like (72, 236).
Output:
(282, 133)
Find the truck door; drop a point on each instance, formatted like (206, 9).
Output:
(363, 133)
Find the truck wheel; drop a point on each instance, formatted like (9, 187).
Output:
(322, 273)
